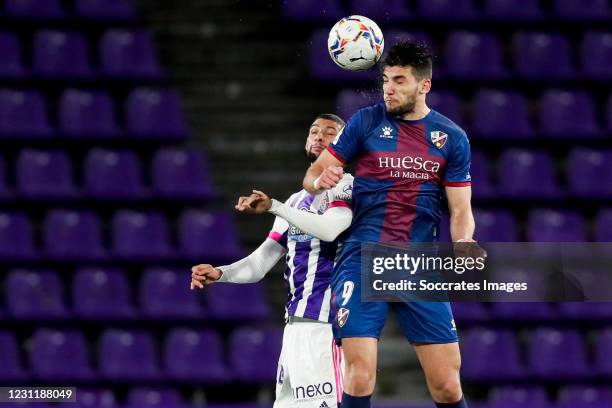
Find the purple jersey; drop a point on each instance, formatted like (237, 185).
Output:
(401, 168)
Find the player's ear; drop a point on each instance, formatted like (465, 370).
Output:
(425, 85)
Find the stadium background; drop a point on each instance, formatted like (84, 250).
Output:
(128, 129)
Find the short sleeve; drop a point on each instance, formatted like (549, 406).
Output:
(457, 173)
(342, 194)
(347, 144)
(279, 230)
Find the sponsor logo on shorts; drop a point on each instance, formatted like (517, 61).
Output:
(343, 314)
(313, 391)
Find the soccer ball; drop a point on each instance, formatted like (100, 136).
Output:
(355, 43)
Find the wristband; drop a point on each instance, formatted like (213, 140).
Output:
(315, 183)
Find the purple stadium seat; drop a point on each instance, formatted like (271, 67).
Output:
(73, 235)
(16, 237)
(473, 55)
(45, 174)
(129, 54)
(253, 305)
(60, 355)
(447, 103)
(382, 12)
(9, 358)
(181, 173)
(481, 182)
(195, 356)
(394, 36)
(519, 396)
(495, 226)
(105, 9)
(603, 362)
(527, 174)
(542, 55)
(348, 102)
(34, 294)
(127, 355)
(305, 10)
(113, 175)
(87, 114)
(582, 9)
(11, 64)
(24, 115)
(155, 114)
(582, 396)
(585, 311)
(603, 225)
(86, 398)
(596, 54)
(34, 9)
(164, 293)
(140, 236)
(485, 351)
(508, 10)
(568, 114)
(59, 54)
(100, 293)
(587, 172)
(499, 114)
(208, 235)
(446, 9)
(557, 354)
(469, 312)
(522, 311)
(154, 397)
(254, 354)
(546, 225)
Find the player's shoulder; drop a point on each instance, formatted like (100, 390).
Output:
(439, 122)
(294, 197)
(371, 114)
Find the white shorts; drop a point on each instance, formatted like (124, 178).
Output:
(309, 371)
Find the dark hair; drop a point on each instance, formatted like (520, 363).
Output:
(416, 55)
(331, 116)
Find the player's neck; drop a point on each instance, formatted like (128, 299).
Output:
(419, 112)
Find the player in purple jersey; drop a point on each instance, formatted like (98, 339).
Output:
(310, 364)
(406, 157)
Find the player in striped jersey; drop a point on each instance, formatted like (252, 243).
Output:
(303, 234)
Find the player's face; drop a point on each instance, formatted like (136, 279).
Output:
(401, 90)
(321, 133)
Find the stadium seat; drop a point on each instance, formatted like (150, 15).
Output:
(587, 311)
(164, 294)
(200, 235)
(59, 54)
(73, 235)
(24, 115)
(603, 225)
(469, 312)
(87, 114)
(568, 114)
(495, 226)
(101, 293)
(542, 56)
(584, 396)
(96, 398)
(582, 9)
(525, 174)
(305, 10)
(395, 35)
(60, 356)
(45, 174)
(16, 237)
(181, 173)
(447, 103)
(127, 355)
(154, 397)
(221, 304)
(473, 55)
(254, 354)
(195, 356)
(348, 102)
(500, 115)
(140, 236)
(522, 311)
(507, 10)
(34, 9)
(113, 175)
(446, 9)
(557, 354)
(481, 182)
(10, 361)
(545, 225)
(11, 64)
(603, 350)
(129, 54)
(525, 396)
(596, 54)
(485, 351)
(587, 173)
(105, 9)
(35, 295)
(155, 114)
(390, 10)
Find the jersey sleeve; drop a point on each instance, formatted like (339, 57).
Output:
(342, 194)
(279, 230)
(348, 143)
(457, 173)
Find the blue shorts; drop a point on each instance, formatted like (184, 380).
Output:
(421, 322)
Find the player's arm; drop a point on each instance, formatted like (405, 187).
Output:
(461, 218)
(323, 174)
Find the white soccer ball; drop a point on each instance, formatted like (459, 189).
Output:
(355, 43)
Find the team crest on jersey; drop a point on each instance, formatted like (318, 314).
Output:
(343, 314)
(324, 204)
(438, 138)
(387, 133)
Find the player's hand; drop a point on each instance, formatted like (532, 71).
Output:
(469, 249)
(204, 274)
(257, 203)
(330, 177)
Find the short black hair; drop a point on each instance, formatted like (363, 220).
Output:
(416, 55)
(331, 116)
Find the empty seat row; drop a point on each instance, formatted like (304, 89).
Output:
(399, 10)
(468, 313)
(83, 9)
(123, 53)
(149, 114)
(134, 235)
(105, 293)
(192, 356)
(109, 174)
(569, 396)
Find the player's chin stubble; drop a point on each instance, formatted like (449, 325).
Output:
(403, 109)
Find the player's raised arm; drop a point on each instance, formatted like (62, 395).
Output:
(323, 174)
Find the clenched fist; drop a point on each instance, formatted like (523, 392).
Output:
(330, 177)
(204, 274)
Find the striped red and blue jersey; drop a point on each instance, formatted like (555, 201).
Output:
(401, 169)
